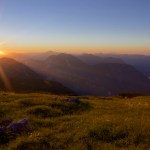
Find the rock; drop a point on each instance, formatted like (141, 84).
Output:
(74, 100)
(16, 127)
(20, 126)
(25, 123)
(5, 122)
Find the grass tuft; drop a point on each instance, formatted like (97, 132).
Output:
(44, 111)
(108, 133)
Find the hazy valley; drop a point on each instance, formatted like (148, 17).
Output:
(89, 74)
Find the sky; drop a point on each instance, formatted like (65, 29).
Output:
(105, 26)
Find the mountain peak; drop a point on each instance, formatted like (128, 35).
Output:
(65, 59)
(17, 77)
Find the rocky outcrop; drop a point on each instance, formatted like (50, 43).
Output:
(19, 127)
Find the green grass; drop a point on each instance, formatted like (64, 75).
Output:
(96, 123)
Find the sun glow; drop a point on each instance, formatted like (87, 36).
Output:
(2, 53)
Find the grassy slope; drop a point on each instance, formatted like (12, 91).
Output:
(95, 123)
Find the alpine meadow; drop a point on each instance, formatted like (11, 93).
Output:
(74, 75)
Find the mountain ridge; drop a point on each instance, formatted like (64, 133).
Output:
(109, 79)
(93, 59)
(17, 77)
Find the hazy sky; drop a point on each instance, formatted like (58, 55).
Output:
(121, 26)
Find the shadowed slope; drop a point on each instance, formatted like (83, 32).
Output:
(17, 77)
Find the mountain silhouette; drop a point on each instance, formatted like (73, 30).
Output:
(17, 77)
(93, 59)
(140, 62)
(100, 79)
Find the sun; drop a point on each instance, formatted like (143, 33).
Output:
(2, 53)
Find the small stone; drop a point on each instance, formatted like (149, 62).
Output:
(74, 100)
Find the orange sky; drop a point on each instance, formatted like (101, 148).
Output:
(121, 49)
(75, 26)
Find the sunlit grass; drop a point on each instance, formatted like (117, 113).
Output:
(95, 123)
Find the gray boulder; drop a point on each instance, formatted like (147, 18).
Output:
(5, 122)
(20, 126)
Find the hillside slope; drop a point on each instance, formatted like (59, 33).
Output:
(17, 77)
(106, 123)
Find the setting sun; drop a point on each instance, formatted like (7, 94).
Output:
(2, 53)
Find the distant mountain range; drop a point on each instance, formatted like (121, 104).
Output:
(92, 75)
(140, 62)
(17, 77)
(93, 59)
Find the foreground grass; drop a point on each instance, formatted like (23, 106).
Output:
(96, 123)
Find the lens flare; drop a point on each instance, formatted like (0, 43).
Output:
(4, 79)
